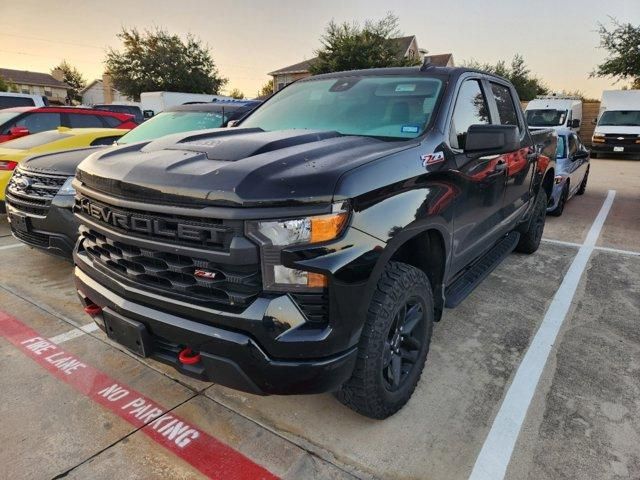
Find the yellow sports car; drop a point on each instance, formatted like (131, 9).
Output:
(14, 151)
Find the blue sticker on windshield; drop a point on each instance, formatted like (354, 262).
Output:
(409, 129)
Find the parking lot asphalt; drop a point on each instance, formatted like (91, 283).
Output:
(583, 420)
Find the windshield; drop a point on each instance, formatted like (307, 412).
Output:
(379, 106)
(34, 140)
(620, 118)
(6, 116)
(166, 123)
(546, 118)
(560, 149)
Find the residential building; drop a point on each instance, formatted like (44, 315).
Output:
(102, 91)
(36, 83)
(407, 46)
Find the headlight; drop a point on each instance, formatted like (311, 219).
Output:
(274, 235)
(67, 188)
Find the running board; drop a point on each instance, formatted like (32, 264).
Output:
(463, 286)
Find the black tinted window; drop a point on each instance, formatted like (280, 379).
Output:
(39, 122)
(8, 102)
(573, 145)
(79, 120)
(112, 122)
(471, 109)
(104, 141)
(504, 102)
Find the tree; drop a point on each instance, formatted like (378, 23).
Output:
(527, 85)
(72, 77)
(4, 86)
(622, 43)
(237, 94)
(266, 89)
(157, 60)
(348, 46)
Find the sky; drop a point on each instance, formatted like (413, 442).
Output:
(558, 39)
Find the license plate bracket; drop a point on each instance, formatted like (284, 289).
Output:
(128, 333)
(618, 149)
(19, 222)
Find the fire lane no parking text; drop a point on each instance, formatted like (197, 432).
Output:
(212, 457)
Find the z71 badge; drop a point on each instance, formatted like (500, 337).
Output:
(432, 158)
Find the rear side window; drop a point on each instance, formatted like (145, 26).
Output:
(79, 120)
(504, 102)
(111, 121)
(39, 122)
(471, 109)
(8, 102)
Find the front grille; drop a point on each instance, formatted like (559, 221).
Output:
(32, 192)
(174, 274)
(315, 306)
(32, 238)
(212, 234)
(620, 139)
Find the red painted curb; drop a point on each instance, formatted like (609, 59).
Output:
(204, 452)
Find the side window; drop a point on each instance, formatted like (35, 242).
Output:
(39, 122)
(112, 122)
(573, 145)
(471, 109)
(78, 120)
(504, 102)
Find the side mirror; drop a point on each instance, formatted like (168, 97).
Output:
(492, 139)
(17, 132)
(232, 123)
(594, 121)
(148, 113)
(580, 155)
(575, 123)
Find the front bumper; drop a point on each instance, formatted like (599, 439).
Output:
(629, 148)
(54, 233)
(227, 357)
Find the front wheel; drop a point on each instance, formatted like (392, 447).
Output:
(531, 237)
(394, 343)
(583, 184)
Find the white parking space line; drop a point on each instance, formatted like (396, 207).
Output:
(617, 250)
(560, 242)
(13, 245)
(495, 455)
(603, 249)
(75, 333)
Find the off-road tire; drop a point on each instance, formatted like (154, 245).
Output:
(531, 236)
(556, 212)
(366, 392)
(583, 184)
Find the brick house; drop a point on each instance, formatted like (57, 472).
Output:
(408, 47)
(36, 83)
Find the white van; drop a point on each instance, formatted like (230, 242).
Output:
(555, 111)
(618, 127)
(155, 102)
(10, 99)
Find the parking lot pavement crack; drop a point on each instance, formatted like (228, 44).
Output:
(135, 430)
(307, 446)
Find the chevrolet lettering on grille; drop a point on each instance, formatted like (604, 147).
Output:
(145, 225)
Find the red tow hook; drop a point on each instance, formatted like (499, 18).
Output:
(93, 310)
(188, 356)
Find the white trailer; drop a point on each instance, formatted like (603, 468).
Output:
(156, 102)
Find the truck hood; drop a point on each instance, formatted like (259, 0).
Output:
(60, 163)
(613, 129)
(233, 167)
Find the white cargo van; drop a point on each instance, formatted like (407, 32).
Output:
(155, 102)
(618, 127)
(10, 100)
(554, 111)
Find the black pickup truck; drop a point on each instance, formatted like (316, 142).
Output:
(312, 247)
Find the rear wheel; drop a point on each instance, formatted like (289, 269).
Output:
(556, 212)
(531, 236)
(583, 184)
(394, 343)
